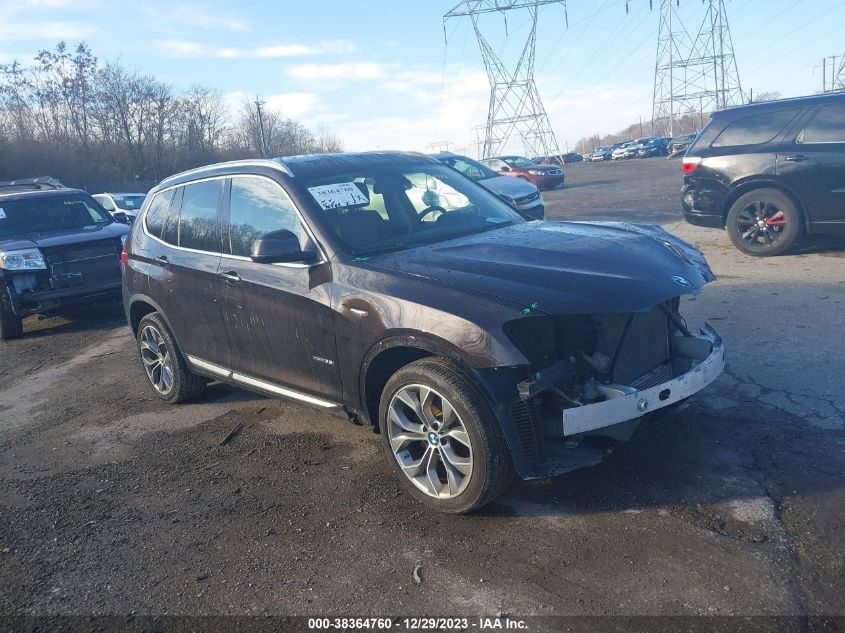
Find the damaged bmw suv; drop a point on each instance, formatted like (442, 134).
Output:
(393, 291)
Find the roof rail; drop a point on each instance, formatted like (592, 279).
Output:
(42, 182)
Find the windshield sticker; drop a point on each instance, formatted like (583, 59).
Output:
(2, 214)
(342, 194)
(129, 203)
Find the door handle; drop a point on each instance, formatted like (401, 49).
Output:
(230, 275)
(797, 158)
(162, 259)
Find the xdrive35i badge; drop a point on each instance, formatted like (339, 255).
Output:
(681, 281)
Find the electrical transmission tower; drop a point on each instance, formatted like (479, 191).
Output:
(838, 82)
(693, 75)
(515, 106)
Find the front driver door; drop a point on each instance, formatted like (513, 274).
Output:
(278, 316)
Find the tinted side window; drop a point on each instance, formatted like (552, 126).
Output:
(755, 129)
(465, 168)
(170, 233)
(828, 126)
(157, 212)
(260, 206)
(198, 225)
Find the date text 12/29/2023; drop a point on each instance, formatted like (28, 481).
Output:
(418, 624)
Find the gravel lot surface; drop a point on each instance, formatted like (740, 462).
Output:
(112, 502)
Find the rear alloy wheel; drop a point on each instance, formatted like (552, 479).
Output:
(163, 362)
(441, 437)
(764, 222)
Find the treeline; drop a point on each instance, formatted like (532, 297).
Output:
(69, 116)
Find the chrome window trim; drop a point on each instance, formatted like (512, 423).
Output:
(247, 380)
(323, 257)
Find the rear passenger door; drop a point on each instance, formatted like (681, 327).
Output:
(278, 316)
(184, 279)
(812, 164)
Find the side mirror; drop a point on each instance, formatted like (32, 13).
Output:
(280, 246)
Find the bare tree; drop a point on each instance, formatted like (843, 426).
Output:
(71, 117)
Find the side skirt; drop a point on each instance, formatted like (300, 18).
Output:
(211, 370)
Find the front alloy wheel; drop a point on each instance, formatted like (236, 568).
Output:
(429, 441)
(442, 438)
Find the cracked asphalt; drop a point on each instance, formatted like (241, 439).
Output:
(112, 502)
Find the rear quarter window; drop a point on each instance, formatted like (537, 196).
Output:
(755, 129)
(158, 212)
(827, 126)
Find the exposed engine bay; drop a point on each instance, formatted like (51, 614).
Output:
(597, 374)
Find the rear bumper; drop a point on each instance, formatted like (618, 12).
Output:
(702, 207)
(625, 403)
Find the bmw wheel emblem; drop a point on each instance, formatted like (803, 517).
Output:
(681, 281)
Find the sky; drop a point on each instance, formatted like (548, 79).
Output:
(385, 74)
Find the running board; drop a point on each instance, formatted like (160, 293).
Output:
(254, 383)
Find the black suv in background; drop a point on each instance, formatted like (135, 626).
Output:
(769, 172)
(58, 247)
(389, 289)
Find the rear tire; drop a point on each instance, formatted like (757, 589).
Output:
(447, 450)
(11, 325)
(163, 362)
(764, 222)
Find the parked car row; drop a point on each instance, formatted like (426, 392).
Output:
(645, 147)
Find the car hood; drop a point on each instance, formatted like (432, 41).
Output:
(63, 237)
(563, 267)
(514, 187)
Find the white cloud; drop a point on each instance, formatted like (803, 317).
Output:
(432, 114)
(17, 31)
(349, 72)
(198, 17)
(301, 50)
(182, 48)
(286, 50)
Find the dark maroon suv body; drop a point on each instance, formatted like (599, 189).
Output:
(385, 274)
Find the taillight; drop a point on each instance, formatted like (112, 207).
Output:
(690, 164)
(124, 256)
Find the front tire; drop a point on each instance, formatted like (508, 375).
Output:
(441, 437)
(11, 325)
(764, 222)
(164, 363)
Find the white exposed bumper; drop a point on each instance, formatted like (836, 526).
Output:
(624, 403)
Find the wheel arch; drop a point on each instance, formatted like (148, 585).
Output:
(139, 307)
(389, 355)
(746, 186)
